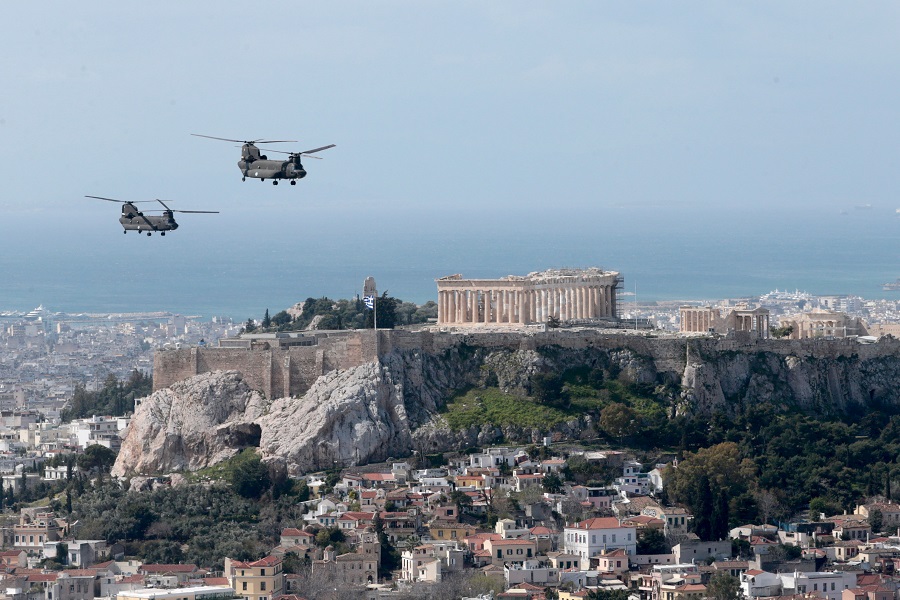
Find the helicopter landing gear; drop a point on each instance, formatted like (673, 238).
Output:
(149, 233)
(243, 179)
(162, 233)
(293, 182)
(274, 182)
(126, 231)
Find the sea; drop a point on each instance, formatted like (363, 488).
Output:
(239, 267)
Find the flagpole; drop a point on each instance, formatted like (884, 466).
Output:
(370, 291)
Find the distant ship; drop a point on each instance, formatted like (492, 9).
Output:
(863, 206)
(892, 286)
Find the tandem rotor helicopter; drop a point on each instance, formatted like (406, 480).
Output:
(134, 220)
(256, 165)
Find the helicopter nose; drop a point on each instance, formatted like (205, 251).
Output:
(174, 225)
(301, 174)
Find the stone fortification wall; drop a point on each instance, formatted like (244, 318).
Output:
(281, 372)
(276, 372)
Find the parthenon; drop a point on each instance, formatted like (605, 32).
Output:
(564, 294)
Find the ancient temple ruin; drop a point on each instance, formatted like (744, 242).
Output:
(570, 295)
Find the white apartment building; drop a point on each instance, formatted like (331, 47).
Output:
(830, 584)
(592, 536)
(98, 430)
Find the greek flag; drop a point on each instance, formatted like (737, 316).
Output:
(369, 301)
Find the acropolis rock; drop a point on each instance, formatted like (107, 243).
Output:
(376, 409)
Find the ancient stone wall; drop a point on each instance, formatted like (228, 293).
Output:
(279, 372)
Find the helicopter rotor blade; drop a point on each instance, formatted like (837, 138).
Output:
(210, 212)
(120, 201)
(259, 141)
(217, 138)
(290, 154)
(272, 150)
(107, 199)
(307, 152)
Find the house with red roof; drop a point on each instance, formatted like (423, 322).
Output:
(291, 536)
(504, 551)
(379, 480)
(352, 520)
(111, 586)
(14, 558)
(614, 561)
(262, 579)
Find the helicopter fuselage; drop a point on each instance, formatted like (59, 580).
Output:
(134, 220)
(272, 169)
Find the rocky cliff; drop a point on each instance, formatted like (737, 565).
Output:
(382, 409)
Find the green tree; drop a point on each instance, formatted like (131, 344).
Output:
(281, 319)
(114, 398)
(876, 520)
(248, 475)
(652, 541)
(702, 501)
(62, 553)
(723, 586)
(819, 506)
(96, 457)
(607, 595)
(547, 388)
(390, 557)
(701, 476)
(386, 307)
(462, 500)
(619, 420)
(266, 322)
(329, 536)
(781, 332)
(552, 483)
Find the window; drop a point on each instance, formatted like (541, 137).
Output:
(262, 586)
(244, 586)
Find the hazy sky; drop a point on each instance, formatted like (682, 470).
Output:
(490, 116)
(517, 105)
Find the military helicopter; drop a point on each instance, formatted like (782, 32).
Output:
(254, 164)
(134, 220)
